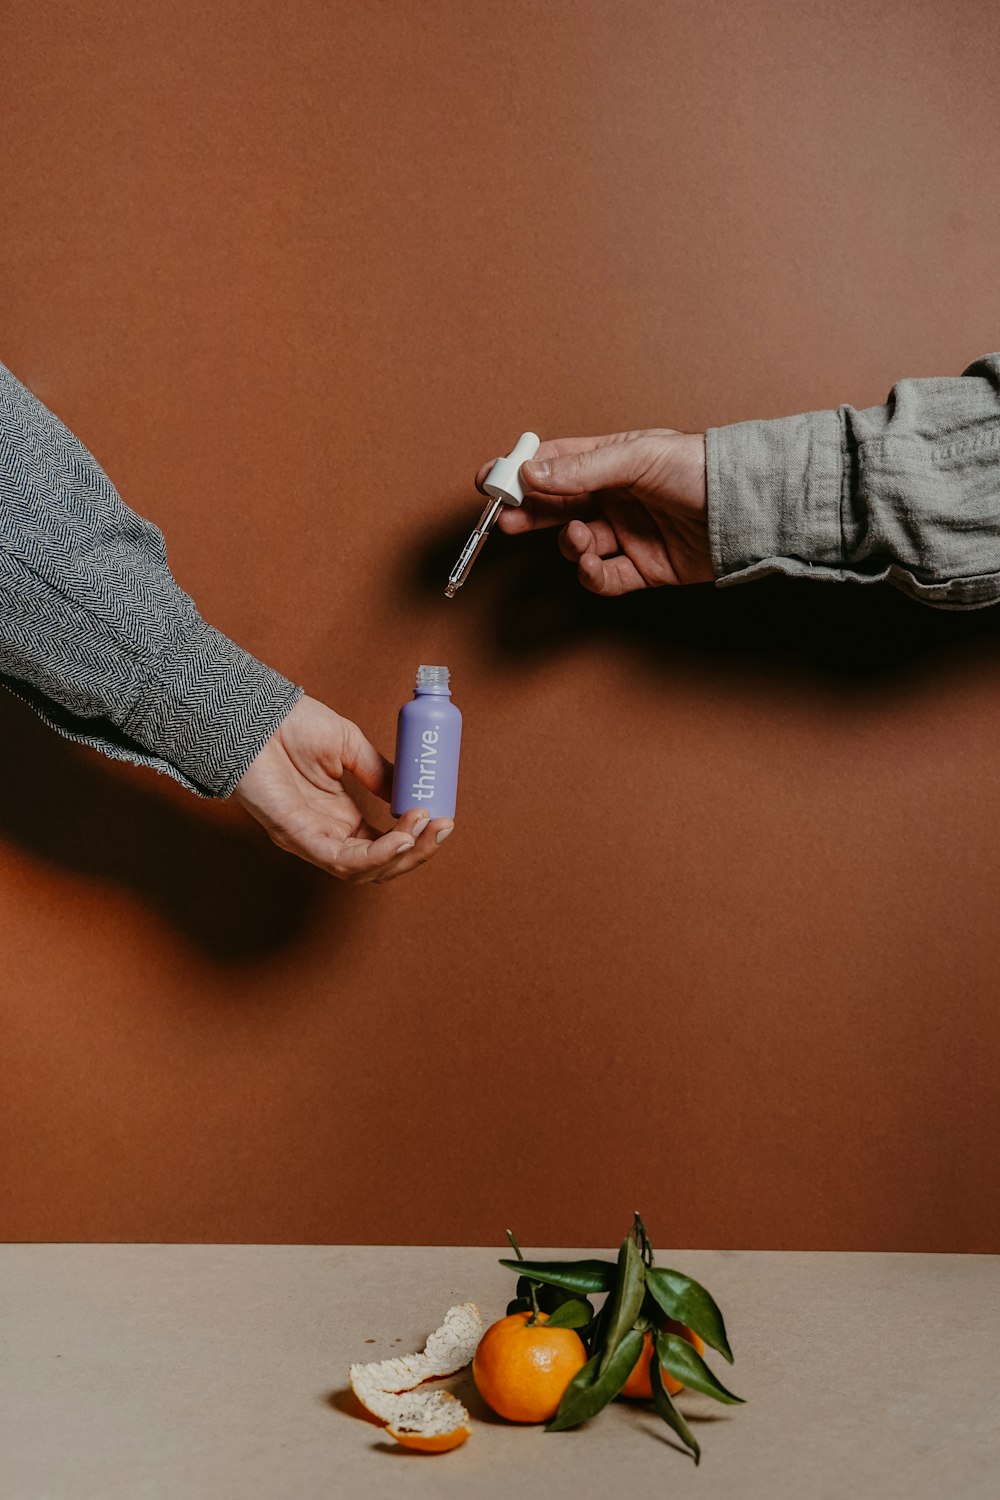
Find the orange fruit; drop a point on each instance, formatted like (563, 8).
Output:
(638, 1387)
(521, 1368)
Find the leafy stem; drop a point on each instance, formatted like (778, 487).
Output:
(642, 1238)
(644, 1305)
(532, 1285)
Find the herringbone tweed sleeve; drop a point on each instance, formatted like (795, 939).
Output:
(94, 631)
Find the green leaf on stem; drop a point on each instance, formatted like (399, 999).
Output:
(576, 1397)
(666, 1409)
(552, 1297)
(686, 1365)
(651, 1309)
(583, 1276)
(519, 1304)
(591, 1390)
(626, 1299)
(599, 1327)
(645, 1243)
(545, 1298)
(572, 1312)
(688, 1302)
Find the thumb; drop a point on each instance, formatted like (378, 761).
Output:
(614, 465)
(360, 757)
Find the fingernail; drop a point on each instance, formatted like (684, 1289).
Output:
(421, 824)
(440, 837)
(406, 844)
(538, 468)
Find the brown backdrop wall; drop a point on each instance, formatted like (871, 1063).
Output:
(717, 934)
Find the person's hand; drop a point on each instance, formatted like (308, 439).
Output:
(632, 506)
(294, 789)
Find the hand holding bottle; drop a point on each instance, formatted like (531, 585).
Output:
(632, 506)
(294, 789)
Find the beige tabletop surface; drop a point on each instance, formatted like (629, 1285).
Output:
(211, 1372)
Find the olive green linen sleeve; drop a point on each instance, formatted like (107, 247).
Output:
(908, 492)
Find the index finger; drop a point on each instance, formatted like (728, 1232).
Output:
(537, 511)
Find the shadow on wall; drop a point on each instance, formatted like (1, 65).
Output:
(523, 599)
(236, 898)
(230, 893)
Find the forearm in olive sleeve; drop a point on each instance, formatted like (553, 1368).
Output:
(908, 492)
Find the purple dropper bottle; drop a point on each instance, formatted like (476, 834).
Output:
(428, 736)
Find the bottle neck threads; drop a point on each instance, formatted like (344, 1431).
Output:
(433, 680)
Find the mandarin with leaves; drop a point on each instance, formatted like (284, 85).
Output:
(648, 1339)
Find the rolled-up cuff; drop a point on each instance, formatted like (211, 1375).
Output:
(774, 496)
(210, 709)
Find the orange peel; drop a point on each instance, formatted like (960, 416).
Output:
(429, 1421)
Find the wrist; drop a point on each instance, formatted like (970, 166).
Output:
(210, 708)
(697, 470)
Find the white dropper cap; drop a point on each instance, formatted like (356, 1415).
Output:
(503, 481)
